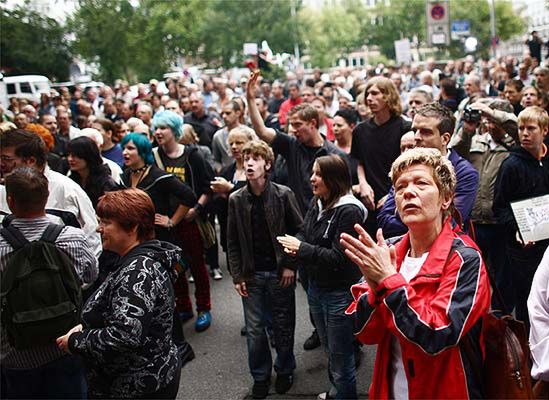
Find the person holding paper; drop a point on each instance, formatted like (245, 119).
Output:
(523, 175)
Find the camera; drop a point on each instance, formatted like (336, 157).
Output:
(470, 115)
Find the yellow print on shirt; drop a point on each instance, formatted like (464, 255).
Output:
(177, 171)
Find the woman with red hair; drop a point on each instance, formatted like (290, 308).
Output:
(125, 337)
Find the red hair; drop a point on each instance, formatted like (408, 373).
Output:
(43, 132)
(130, 208)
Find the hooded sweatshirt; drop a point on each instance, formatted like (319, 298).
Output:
(320, 251)
(126, 341)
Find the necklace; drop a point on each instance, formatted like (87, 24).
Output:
(142, 172)
(138, 170)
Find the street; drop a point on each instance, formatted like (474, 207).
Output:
(220, 369)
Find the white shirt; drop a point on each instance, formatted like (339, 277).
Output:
(116, 171)
(399, 384)
(538, 310)
(66, 196)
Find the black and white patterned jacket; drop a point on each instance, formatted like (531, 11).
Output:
(127, 338)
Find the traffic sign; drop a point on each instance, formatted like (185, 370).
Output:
(438, 22)
(460, 28)
(437, 12)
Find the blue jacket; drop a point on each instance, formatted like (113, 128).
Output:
(466, 192)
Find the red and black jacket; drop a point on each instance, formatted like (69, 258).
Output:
(429, 316)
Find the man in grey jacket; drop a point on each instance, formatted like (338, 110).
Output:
(486, 145)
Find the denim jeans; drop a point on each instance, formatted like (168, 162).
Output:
(60, 379)
(264, 290)
(335, 330)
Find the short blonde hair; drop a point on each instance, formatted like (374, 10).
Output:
(244, 131)
(442, 169)
(535, 114)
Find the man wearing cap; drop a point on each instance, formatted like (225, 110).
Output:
(153, 87)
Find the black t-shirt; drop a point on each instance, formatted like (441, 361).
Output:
(273, 105)
(205, 127)
(299, 160)
(376, 147)
(166, 193)
(264, 254)
(190, 167)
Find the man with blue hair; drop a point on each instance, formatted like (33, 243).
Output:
(186, 163)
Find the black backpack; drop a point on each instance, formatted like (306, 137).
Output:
(40, 294)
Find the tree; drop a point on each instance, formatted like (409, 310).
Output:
(230, 24)
(32, 43)
(135, 41)
(394, 21)
(329, 33)
(105, 31)
(508, 23)
(405, 18)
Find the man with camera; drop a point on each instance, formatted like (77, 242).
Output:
(433, 126)
(489, 131)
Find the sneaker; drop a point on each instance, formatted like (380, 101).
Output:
(203, 321)
(283, 383)
(324, 396)
(261, 389)
(216, 274)
(312, 341)
(186, 315)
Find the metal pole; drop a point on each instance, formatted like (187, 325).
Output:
(493, 27)
(296, 45)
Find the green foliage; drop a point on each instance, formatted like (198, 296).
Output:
(508, 23)
(393, 21)
(135, 41)
(105, 33)
(139, 40)
(330, 33)
(31, 43)
(230, 24)
(406, 18)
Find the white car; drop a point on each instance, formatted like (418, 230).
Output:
(23, 86)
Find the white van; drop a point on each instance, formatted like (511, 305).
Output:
(23, 86)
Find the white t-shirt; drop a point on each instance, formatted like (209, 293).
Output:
(399, 384)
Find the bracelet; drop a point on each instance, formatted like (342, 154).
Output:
(170, 223)
(198, 207)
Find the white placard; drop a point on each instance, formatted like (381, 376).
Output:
(403, 51)
(532, 216)
(250, 49)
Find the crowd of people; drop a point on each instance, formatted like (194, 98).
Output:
(386, 192)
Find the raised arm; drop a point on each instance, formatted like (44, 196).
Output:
(264, 133)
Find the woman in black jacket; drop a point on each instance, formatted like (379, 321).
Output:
(334, 210)
(172, 198)
(88, 169)
(126, 337)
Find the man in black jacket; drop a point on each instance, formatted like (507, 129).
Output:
(262, 273)
(523, 175)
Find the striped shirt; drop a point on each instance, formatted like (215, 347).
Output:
(71, 241)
